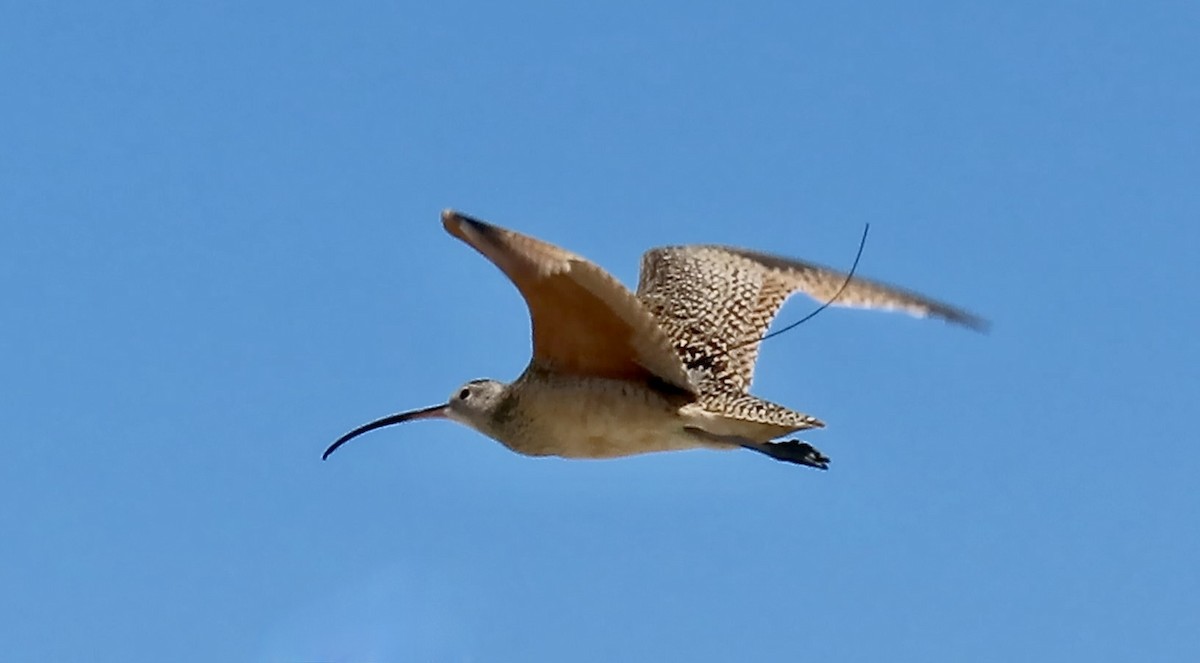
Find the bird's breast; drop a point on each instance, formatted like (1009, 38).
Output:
(591, 418)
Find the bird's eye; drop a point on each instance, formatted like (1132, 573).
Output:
(464, 394)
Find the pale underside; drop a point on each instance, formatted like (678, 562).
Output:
(590, 417)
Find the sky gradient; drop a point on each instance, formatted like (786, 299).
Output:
(220, 249)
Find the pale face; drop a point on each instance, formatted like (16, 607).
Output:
(472, 404)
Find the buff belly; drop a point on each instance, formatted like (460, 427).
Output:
(595, 418)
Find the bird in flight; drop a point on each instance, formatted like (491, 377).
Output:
(668, 367)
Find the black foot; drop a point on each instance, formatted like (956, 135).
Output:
(793, 451)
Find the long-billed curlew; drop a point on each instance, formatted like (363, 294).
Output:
(615, 373)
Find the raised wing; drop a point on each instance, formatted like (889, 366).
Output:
(717, 302)
(585, 322)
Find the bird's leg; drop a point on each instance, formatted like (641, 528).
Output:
(789, 451)
(792, 451)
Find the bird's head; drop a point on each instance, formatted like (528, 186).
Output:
(472, 404)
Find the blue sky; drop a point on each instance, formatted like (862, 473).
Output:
(220, 249)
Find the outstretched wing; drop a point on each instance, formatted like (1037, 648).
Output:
(585, 322)
(716, 303)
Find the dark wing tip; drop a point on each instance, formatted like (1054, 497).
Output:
(459, 224)
(961, 317)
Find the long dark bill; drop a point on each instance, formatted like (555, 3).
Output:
(435, 412)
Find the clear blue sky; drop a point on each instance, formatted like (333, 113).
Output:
(220, 249)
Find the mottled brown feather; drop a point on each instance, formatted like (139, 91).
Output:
(716, 302)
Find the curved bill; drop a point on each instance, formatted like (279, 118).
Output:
(435, 412)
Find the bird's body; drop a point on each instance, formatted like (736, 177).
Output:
(615, 373)
(548, 414)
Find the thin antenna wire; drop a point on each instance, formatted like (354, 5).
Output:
(849, 276)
